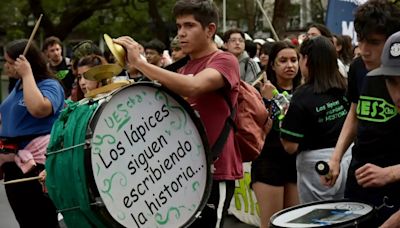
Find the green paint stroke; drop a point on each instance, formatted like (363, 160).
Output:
(111, 139)
(160, 95)
(195, 185)
(121, 215)
(108, 184)
(199, 149)
(96, 151)
(123, 123)
(159, 218)
(97, 169)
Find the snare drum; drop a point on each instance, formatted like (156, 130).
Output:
(325, 214)
(137, 157)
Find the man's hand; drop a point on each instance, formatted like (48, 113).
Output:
(334, 171)
(370, 175)
(393, 221)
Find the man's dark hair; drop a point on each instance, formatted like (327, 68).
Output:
(377, 16)
(251, 48)
(229, 32)
(203, 11)
(322, 29)
(155, 44)
(50, 41)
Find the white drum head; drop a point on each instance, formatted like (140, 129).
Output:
(149, 159)
(321, 214)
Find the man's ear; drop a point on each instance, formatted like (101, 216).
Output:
(211, 30)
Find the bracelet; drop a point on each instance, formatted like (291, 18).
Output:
(267, 102)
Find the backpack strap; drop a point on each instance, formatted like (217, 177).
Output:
(216, 149)
(246, 64)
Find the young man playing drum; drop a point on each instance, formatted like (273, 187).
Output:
(390, 70)
(207, 75)
(372, 122)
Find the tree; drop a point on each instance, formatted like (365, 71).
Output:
(87, 18)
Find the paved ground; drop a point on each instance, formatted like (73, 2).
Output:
(7, 219)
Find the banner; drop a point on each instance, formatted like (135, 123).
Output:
(340, 17)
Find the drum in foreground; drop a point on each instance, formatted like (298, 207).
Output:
(145, 161)
(325, 214)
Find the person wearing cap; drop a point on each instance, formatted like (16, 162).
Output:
(79, 51)
(372, 122)
(176, 50)
(234, 41)
(390, 70)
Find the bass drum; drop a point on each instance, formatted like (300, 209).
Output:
(325, 214)
(137, 157)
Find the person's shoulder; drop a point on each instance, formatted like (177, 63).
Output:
(49, 82)
(224, 56)
(303, 89)
(302, 92)
(357, 63)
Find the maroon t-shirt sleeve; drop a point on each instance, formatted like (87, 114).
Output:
(228, 65)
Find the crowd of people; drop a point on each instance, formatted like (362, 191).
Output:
(336, 114)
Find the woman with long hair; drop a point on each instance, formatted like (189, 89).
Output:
(27, 115)
(315, 117)
(273, 173)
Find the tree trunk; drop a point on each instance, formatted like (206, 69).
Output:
(280, 19)
(160, 27)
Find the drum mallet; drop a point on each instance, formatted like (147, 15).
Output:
(322, 169)
(21, 180)
(32, 35)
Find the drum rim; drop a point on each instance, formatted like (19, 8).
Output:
(362, 217)
(91, 183)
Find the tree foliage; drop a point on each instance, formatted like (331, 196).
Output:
(87, 19)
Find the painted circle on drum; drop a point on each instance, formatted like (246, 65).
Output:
(148, 159)
(320, 214)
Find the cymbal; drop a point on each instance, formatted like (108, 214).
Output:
(117, 50)
(101, 72)
(107, 88)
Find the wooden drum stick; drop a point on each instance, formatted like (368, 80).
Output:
(32, 35)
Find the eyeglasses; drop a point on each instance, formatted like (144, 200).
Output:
(234, 40)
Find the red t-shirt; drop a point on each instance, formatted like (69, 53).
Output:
(214, 110)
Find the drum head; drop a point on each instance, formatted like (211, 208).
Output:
(149, 158)
(323, 214)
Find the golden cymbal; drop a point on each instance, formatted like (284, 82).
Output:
(117, 50)
(101, 72)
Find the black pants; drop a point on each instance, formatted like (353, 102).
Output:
(31, 207)
(214, 213)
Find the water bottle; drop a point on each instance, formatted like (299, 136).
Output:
(280, 99)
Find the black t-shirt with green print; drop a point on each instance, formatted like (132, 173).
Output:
(378, 126)
(315, 120)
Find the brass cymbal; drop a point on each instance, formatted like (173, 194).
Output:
(117, 50)
(101, 72)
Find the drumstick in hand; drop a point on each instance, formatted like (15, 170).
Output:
(32, 35)
(21, 180)
(261, 77)
(323, 169)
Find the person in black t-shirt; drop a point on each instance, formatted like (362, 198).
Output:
(372, 122)
(315, 117)
(390, 70)
(61, 66)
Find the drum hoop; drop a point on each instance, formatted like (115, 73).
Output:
(362, 217)
(90, 180)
